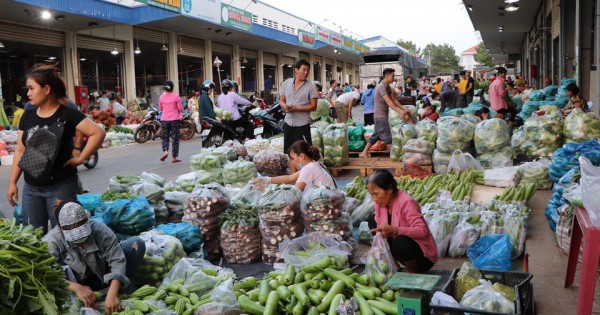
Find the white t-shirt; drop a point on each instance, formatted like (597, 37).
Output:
(347, 97)
(314, 174)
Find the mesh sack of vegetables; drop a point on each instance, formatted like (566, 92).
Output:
(465, 233)
(256, 145)
(131, 216)
(485, 298)
(580, 126)
(280, 217)
(312, 247)
(536, 172)
(271, 163)
(491, 135)
(364, 211)
(322, 109)
(427, 129)
(209, 163)
(441, 226)
(31, 282)
(379, 263)
(322, 203)
(544, 129)
(317, 138)
(401, 133)
(156, 197)
(356, 139)
(335, 142)
(162, 253)
(420, 145)
(454, 134)
(152, 178)
(497, 159)
(238, 172)
(189, 235)
(240, 149)
(417, 159)
(441, 160)
(122, 183)
(175, 202)
(203, 208)
(467, 278)
(341, 226)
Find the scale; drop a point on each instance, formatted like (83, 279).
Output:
(415, 292)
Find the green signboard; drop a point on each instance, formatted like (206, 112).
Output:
(347, 43)
(306, 39)
(171, 5)
(236, 18)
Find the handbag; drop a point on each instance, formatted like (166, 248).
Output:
(333, 112)
(41, 152)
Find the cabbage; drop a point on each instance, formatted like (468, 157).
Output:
(441, 161)
(427, 129)
(491, 135)
(454, 134)
(317, 138)
(580, 126)
(335, 141)
(401, 133)
(545, 129)
(322, 109)
(497, 159)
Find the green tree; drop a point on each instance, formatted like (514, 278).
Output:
(483, 57)
(443, 57)
(410, 46)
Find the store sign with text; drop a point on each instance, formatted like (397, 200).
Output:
(336, 40)
(358, 47)
(171, 5)
(348, 43)
(236, 18)
(208, 10)
(306, 39)
(323, 35)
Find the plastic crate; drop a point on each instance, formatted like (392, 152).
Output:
(521, 282)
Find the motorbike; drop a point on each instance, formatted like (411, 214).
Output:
(150, 127)
(216, 132)
(270, 123)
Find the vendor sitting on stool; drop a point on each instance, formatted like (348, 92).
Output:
(398, 218)
(91, 256)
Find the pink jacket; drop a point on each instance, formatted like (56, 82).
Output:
(406, 214)
(497, 94)
(171, 107)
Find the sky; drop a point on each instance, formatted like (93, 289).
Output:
(422, 21)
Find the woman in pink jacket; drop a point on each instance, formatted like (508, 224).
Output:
(399, 219)
(170, 120)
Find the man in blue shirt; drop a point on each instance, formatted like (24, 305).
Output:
(368, 99)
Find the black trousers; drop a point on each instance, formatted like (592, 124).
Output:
(369, 120)
(293, 134)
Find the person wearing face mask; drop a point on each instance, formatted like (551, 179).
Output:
(91, 255)
(310, 172)
(398, 219)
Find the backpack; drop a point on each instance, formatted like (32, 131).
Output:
(41, 152)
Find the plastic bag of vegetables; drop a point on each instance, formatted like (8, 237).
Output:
(454, 134)
(544, 129)
(121, 183)
(256, 145)
(152, 178)
(240, 149)
(335, 141)
(196, 275)
(497, 159)
(580, 126)
(364, 211)
(441, 227)
(189, 235)
(156, 197)
(535, 172)
(322, 203)
(224, 153)
(162, 253)
(401, 133)
(276, 144)
(427, 129)
(491, 135)
(356, 139)
(322, 109)
(238, 172)
(465, 234)
(313, 247)
(339, 226)
(467, 278)
(485, 298)
(130, 217)
(209, 163)
(491, 252)
(515, 226)
(518, 140)
(460, 161)
(441, 161)
(271, 163)
(175, 202)
(317, 138)
(396, 119)
(420, 145)
(416, 159)
(379, 263)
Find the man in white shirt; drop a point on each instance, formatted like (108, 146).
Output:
(423, 88)
(103, 101)
(343, 105)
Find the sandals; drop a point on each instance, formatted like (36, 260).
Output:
(164, 157)
(176, 160)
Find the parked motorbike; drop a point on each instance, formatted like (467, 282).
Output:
(216, 132)
(150, 127)
(266, 125)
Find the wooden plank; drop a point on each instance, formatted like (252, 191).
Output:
(354, 164)
(388, 164)
(485, 193)
(372, 153)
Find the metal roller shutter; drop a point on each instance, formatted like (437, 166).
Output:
(249, 53)
(222, 48)
(150, 35)
(270, 59)
(26, 33)
(289, 60)
(193, 47)
(96, 43)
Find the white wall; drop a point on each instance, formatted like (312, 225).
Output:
(262, 10)
(468, 62)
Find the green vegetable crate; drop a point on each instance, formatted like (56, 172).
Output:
(524, 303)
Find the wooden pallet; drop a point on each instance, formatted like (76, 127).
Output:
(370, 154)
(389, 164)
(359, 164)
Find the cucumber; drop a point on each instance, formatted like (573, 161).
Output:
(250, 307)
(272, 303)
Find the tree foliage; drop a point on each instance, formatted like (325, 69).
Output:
(410, 46)
(483, 57)
(443, 57)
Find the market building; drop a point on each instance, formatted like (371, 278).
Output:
(543, 39)
(134, 46)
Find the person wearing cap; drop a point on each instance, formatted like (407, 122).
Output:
(368, 100)
(229, 101)
(206, 108)
(170, 105)
(91, 255)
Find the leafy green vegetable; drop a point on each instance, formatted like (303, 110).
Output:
(322, 109)
(491, 135)
(454, 133)
(401, 133)
(580, 126)
(335, 140)
(121, 129)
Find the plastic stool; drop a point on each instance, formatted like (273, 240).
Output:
(583, 228)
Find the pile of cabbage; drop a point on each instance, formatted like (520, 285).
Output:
(492, 143)
(541, 135)
(454, 133)
(401, 133)
(335, 142)
(580, 126)
(322, 109)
